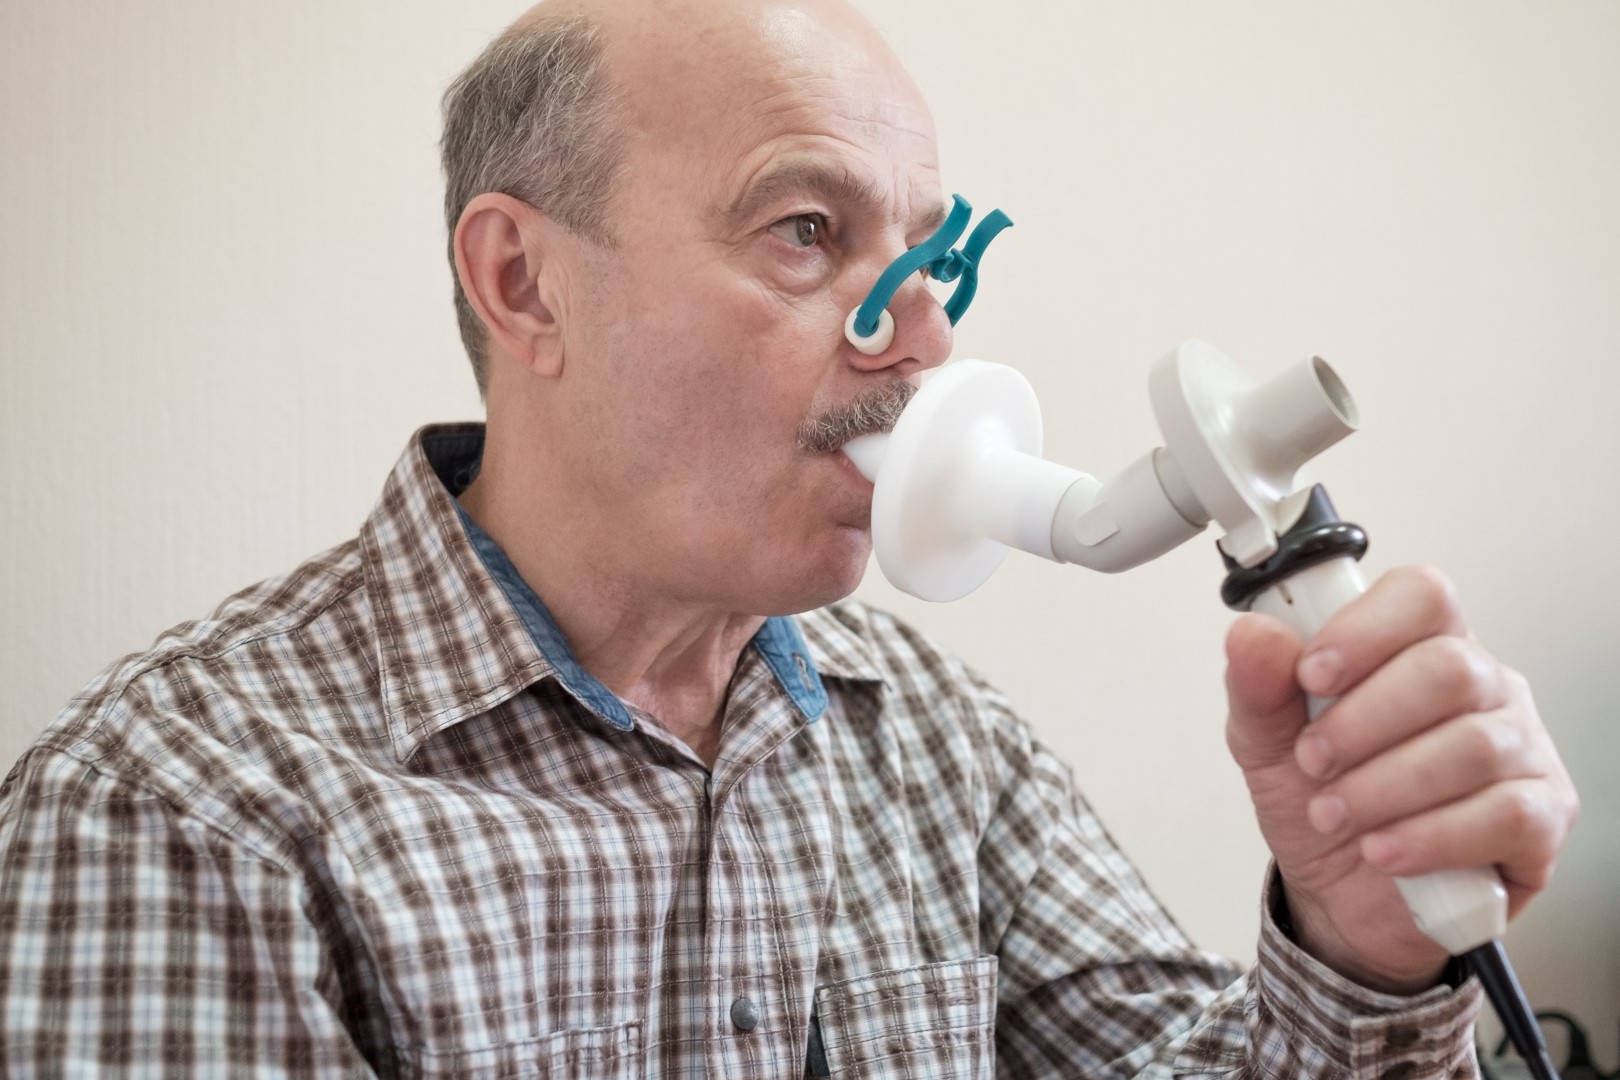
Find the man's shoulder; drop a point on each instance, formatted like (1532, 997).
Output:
(278, 606)
(245, 662)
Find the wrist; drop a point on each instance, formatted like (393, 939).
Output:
(1308, 926)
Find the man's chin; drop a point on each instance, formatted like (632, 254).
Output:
(828, 579)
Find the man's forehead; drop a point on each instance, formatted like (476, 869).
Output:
(753, 100)
(771, 66)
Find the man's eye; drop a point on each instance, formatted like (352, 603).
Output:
(800, 230)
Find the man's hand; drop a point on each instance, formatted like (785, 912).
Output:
(1433, 756)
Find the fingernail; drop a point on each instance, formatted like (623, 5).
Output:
(1314, 755)
(1327, 813)
(1380, 849)
(1319, 672)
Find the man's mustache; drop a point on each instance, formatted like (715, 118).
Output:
(866, 415)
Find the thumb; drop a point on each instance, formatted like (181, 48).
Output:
(1266, 707)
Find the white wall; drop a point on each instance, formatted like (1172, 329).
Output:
(223, 307)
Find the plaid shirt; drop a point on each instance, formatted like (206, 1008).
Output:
(371, 817)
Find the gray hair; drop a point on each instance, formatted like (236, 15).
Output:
(534, 118)
(873, 412)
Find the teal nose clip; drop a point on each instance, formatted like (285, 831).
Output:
(870, 327)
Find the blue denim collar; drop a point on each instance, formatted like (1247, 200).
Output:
(779, 642)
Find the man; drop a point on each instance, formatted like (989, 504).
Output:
(574, 764)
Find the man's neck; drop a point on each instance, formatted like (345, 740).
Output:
(669, 658)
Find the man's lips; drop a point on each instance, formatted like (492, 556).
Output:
(867, 453)
(848, 468)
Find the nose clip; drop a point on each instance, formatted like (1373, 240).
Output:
(870, 327)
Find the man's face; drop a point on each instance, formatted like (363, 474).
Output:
(766, 184)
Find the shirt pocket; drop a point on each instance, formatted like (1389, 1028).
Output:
(936, 1022)
(602, 1053)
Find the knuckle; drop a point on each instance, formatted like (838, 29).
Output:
(1527, 818)
(1489, 746)
(1518, 687)
(1474, 676)
(1452, 667)
(1572, 807)
(1438, 593)
(1486, 678)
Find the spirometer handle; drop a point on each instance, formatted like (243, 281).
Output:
(1459, 909)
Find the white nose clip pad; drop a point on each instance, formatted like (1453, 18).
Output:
(879, 340)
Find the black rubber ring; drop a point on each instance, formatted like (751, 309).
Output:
(1317, 537)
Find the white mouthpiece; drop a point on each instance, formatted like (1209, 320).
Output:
(962, 481)
(867, 452)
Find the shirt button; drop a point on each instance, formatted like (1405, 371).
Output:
(744, 1014)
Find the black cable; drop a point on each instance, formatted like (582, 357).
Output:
(1490, 963)
(1578, 1063)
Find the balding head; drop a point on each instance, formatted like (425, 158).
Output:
(544, 113)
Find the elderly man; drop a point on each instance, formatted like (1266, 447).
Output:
(574, 762)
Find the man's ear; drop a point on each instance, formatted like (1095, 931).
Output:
(509, 259)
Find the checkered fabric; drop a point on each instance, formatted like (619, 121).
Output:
(369, 818)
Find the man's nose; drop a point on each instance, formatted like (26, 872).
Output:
(922, 333)
(871, 328)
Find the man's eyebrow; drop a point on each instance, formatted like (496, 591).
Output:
(834, 183)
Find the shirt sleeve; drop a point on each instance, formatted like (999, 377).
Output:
(1096, 979)
(136, 940)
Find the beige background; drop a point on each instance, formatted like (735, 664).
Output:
(224, 307)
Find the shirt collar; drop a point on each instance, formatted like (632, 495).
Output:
(778, 642)
(460, 630)
(840, 638)
(450, 645)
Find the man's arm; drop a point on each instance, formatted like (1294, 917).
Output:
(1097, 980)
(136, 939)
